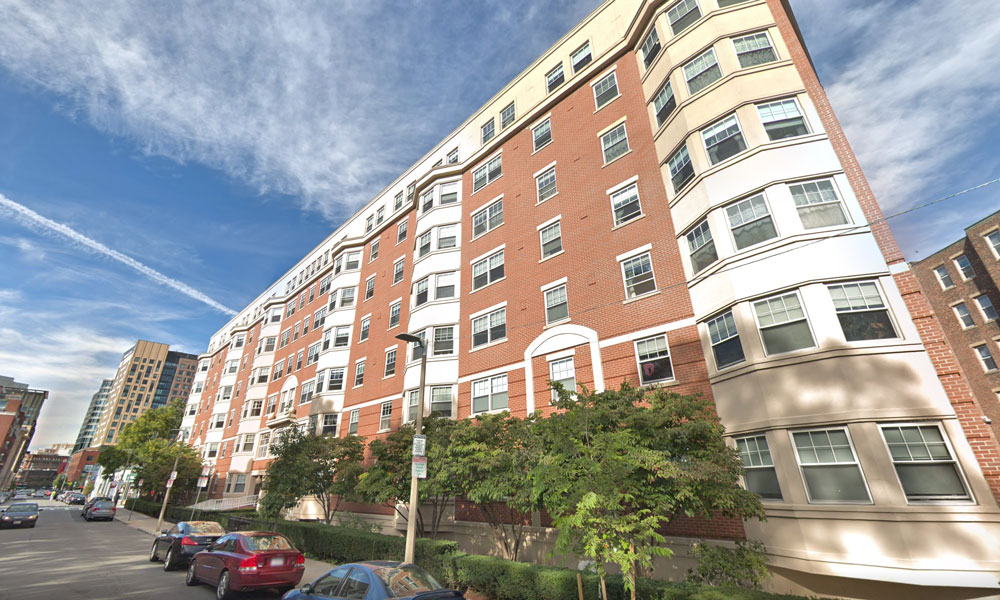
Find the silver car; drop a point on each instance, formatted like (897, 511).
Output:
(102, 509)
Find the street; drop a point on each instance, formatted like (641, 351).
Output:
(67, 557)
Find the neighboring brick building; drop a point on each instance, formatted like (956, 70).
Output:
(961, 282)
(41, 467)
(665, 196)
(19, 410)
(82, 463)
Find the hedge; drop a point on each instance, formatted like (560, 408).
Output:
(496, 578)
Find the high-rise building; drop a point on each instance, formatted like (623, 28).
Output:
(149, 376)
(665, 197)
(962, 283)
(19, 410)
(92, 418)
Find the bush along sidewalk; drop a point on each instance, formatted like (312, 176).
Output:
(489, 576)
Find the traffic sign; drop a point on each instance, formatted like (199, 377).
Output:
(420, 467)
(173, 474)
(170, 483)
(420, 445)
(202, 482)
(205, 471)
(140, 483)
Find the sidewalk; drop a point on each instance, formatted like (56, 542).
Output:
(147, 525)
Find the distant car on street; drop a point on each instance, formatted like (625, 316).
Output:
(75, 498)
(91, 502)
(375, 580)
(245, 561)
(22, 494)
(101, 509)
(4, 496)
(182, 541)
(21, 514)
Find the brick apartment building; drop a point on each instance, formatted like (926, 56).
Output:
(19, 410)
(40, 467)
(665, 196)
(961, 283)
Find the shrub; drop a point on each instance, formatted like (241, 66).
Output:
(743, 566)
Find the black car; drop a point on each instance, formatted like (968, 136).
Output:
(76, 498)
(375, 580)
(182, 541)
(22, 514)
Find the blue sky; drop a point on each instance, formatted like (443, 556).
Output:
(162, 164)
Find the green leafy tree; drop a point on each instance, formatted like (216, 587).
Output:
(325, 467)
(387, 481)
(618, 465)
(492, 457)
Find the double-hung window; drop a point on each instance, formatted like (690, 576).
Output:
(448, 194)
(783, 324)
(702, 71)
(701, 247)
(754, 49)
(506, 118)
(993, 239)
(488, 270)
(653, 355)
(924, 463)
(319, 318)
(986, 358)
(441, 401)
(369, 223)
(682, 15)
(664, 103)
(605, 90)
(373, 251)
(725, 338)
(782, 119)
(829, 466)
(313, 355)
(541, 134)
(751, 222)
(423, 244)
(427, 201)
(447, 236)
(650, 48)
(422, 292)
(352, 426)
(412, 401)
(286, 337)
(444, 285)
(563, 372)
(614, 143)
(556, 305)
(329, 425)
(723, 139)
(487, 219)
(347, 297)
(759, 475)
(385, 416)
(306, 394)
(638, 275)
(862, 313)
(554, 78)
(444, 341)
(545, 184)
(963, 315)
(487, 131)
(394, 311)
(342, 337)
(353, 261)
(986, 307)
(417, 351)
(581, 57)
(489, 394)
(380, 215)
(359, 373)
(401, 231)
(366, 323)
(489, 328)
(336, 380)
(625, 204)
(944, 277)
(397, 270)
(964, 267)
(453, 155)
(681, 169)
(487, 173)
(818, 204)
(397, 202)
(551, 238)
(370, 287)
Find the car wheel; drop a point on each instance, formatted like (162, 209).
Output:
(190, 579)
(153, 554)
(222, 591)
(168, 561)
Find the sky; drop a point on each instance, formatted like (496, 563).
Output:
(162, 163)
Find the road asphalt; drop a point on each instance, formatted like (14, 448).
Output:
(65, 557)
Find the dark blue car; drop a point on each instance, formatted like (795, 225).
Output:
(375, 580)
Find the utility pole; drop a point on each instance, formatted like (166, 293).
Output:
(411, 518)
(163, 509)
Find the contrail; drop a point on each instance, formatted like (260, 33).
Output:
(33, 218)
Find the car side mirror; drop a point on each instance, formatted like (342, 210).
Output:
(306, 589)
(209, 547)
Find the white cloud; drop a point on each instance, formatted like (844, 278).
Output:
(912, 86)
(37, 221)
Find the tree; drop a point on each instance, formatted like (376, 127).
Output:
(492, 457)
(618, 465)
(388, 480)
(325, 467)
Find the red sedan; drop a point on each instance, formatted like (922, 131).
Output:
(248, 560)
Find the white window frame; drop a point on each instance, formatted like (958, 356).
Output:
(671, 19)
(782, 102)
(652, 270)
(604, 147)
(856, 462)
(993, 242)
(618, 92)
(550, 290)
(399, 270)
(557, 363)
(556, 72)
(385, 417)
(953, 460)
(489, 398)
(575, 63)
(983, 310)
(488, 316)
(959, 315)
(352, 426)
(770, 44)
(504, 123)
(937, 272)
(365, 329)
(401, 231)
(487, 131)
(648, 55)
(833, 188)
(547, 121)
(398, 307)
(760, 329)
(961, 270)
(983, 359)
(620, 191)
(359, 365)
(722, 123)
(484, 168)
(689, 78)
(544, 174)
(755, 219)
(369, 288)
(552, 223)
(485, 210)
(669, 356)
(488, 259)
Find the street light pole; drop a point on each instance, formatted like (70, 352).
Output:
(166, 496)
(411, 518)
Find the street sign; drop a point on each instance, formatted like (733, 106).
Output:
(202, 482)
(140, 483)
(170, 483)
(205, 471)
(420, 467)
(173, 474)
(420, 445)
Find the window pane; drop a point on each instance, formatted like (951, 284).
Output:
(542, 134)
(787, 337)
(681, 169)
(650, 47)
(835, 483)
(546, 185)
(614, 143)
(606, 90)
(702, 72)
(701, 246)
(723, 139)
(664, 103)
(751, 222)
(754, 50)
(682, 15)
(625, 203)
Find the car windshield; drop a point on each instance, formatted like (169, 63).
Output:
(266, 542)
(406, 580)
(25, 507)
(208, 527)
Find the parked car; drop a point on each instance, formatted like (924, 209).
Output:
(22, 494)
(245, 561)
(4, 496)
(91, 502)
(76, 498)
(182, 541)
(375, 580)
(22, 514)
(101, 509)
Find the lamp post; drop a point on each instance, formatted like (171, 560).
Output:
(411, 519)
(166, 496)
